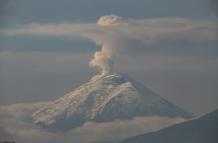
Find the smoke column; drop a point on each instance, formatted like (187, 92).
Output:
(103, 59)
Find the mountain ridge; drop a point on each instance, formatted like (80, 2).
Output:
(105, 98)
(200, 130)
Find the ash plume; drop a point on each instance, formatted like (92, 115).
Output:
(103, 59)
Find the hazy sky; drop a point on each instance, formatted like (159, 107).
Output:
(37, 67)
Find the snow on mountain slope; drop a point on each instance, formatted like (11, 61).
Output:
(104, 98)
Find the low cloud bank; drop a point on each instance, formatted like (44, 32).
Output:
(15, 125)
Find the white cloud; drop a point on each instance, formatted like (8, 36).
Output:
(20, 110)
(21, 130)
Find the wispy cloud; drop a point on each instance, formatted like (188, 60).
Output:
(145, 30)
(118, 35)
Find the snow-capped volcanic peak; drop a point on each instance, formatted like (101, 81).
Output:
(104, 98)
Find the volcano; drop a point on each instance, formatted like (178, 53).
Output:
(104, 98)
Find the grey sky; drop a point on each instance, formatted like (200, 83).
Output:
(36, 68)
(25, 11)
